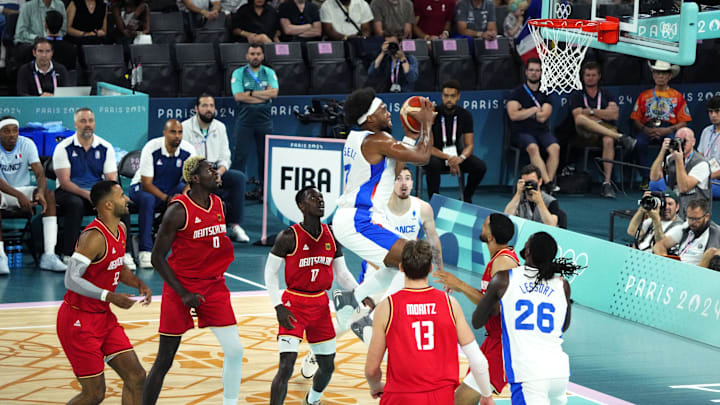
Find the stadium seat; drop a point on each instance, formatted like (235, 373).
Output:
(329, 69)
(500, 13)
(167, 28)
(358, 66)
(426, 68)
(163, 5)
(159, 78)
(232, 56)
(495, 64)
(453, 61)
(214, 31)
(198, 70)
(286, 59)
(105, 63)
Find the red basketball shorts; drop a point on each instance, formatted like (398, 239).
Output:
(216, 310)
(445, 395)
(88, 338)
(492, 349)
(312, 314)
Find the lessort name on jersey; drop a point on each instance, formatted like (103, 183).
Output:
(209, 231)
(311, 261)
(420, 309)
(541, 288)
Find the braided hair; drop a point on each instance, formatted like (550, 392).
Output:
(543, 249)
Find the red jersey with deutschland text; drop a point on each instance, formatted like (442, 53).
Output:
(103, 273)
(421, 342)
(201, 249)
(309, 267)
(494, 324)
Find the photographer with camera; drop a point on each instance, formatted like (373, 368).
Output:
(677, 167)
(699, 235)
(655, 218)
(393, 71)
(530, 202)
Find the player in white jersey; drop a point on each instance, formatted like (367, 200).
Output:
(535, 310)
(372, 158)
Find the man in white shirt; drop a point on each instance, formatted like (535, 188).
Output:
(699, 235)
(709, 144)
(209, 137)
(343, 19)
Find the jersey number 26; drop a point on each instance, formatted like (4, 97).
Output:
(545, 320)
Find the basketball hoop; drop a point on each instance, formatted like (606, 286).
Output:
(561, 63)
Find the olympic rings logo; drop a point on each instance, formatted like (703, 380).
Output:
(579, 258)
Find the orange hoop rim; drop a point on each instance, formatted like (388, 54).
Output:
(608, 25)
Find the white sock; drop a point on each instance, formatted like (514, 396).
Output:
(375, 282)
(49, 234)
(314, 396)
(232, 366)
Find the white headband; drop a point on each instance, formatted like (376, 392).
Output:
(373, 107)
(9, 121)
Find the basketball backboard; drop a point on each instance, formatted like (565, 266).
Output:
(654, 29)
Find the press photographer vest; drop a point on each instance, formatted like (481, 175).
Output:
(648, 241)
(696, 191)
(713, 239)
(526, 210)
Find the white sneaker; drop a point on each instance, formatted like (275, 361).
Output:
(129, 261)
(238, 234)
(309, 366)
(49, 261)
(4, 266)
(145, 259)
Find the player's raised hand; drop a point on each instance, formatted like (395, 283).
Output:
(426, 114)
(193, 300)
(285, 317)
(122, 300)
(448, 280)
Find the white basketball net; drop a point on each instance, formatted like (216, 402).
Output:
(561, 62)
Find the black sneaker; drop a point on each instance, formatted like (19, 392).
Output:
(359, 326)
(607, 190)
(628, 143)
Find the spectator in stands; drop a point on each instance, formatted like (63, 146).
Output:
(343, 19)
(300, 21)
(64, 51)
(197, 12)
(79, 162)
(433, 18)
(699, 234)
(257, 23)
(393, 17)
(253, 86)
(529, 110)
(393, 71)
(158, 180)
(209, 137)
(476, 19)
(648, 226)
(41, 76)
(595, 112)
(659, 111)
(230, 7)
(682, 170)
(453, 139)
(87, 22)
(31, 21)
(7, 8)
(132, 21)
(17, 191)
(710, 142)
(513, 23)
(531, 202)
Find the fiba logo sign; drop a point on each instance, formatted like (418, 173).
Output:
(298, 177)
(579, 258)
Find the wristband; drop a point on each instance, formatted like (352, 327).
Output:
(462, 156)
(103, 295)
(409, 141)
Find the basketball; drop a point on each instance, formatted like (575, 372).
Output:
(410, 105)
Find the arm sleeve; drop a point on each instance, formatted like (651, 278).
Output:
(326, 13)
(701, 172)
(272, 78)
(367, 14)
(23, 80)
(146, 168)
(223, 147)
(31, 152)
(343, 275)
(110, 161)
(77, 265)
(272, 279)
(236, 81)
(412, 74)
(478, 367)
(60, 158)
(491, 12)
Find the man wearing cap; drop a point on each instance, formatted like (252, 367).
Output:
(650, 226)
(683, 171)
(16, 190)
(659, 111)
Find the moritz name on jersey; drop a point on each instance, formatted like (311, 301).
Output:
(420, 309)
(209, 231)
(311, 261)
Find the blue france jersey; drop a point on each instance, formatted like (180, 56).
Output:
(157, 163)
(87, 167)
(367, 186)
(14, 164)
(532, 319)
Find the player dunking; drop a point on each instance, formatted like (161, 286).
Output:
(535, 300)
(311, 255)
(194, 226)
(497, 231)
(421, 328)
(88, 331)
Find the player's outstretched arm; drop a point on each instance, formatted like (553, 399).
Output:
(478, 362)
(376, 351)
(172, 221)
(486, 306)
(418, 154)
(428, 223)
(340, 270)
(284, 245)
(566, 288)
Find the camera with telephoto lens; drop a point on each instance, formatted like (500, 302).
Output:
(676, 144)
(656, 199)
(393, 48)
(529, 186)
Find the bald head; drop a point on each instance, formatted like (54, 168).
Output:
(173, 134)
(688, 136)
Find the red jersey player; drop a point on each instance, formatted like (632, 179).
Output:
(311, 256)
(88, 331)
(194, 226)
(421, 328)
(497, 231)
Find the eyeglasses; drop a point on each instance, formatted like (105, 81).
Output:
(695, 219)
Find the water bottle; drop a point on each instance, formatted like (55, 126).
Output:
(18, 254)
(10, 249)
